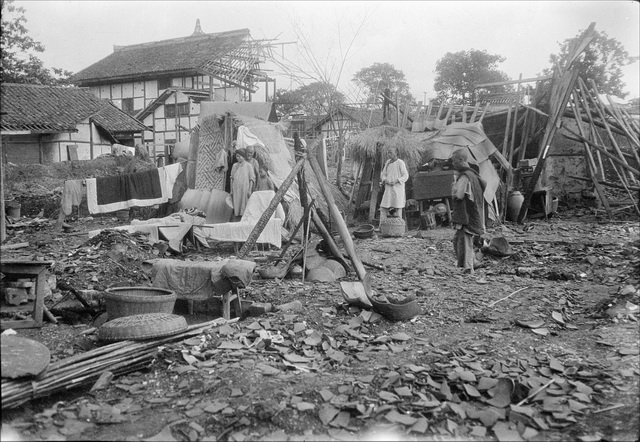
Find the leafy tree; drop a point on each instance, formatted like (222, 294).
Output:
(458, 73)
(288, 102)
(379, 76)
(19, 63)
(313, 99)
(601, 61)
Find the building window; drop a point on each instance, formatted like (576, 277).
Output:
(164, 83)
(182, 110)
(127, 105)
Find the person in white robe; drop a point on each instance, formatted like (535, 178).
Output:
(394, 175)
(242, 182)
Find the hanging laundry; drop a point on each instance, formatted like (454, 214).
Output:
(71, 195)
(171, 174)
(142, 189)
(246, 138)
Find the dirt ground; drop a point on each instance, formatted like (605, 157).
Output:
(539, 345)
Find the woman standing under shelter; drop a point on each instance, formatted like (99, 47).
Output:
(394, 175)
(243, 180)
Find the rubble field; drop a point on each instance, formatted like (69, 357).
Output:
(538, 345)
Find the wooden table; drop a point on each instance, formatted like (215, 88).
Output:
(35, 270)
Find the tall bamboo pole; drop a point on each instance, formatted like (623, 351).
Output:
(340, 224)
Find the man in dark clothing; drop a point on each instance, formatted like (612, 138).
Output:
(468, 210)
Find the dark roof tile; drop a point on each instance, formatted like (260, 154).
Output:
(59, 109)
(186, 54)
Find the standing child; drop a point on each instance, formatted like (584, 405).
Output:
(264, 180)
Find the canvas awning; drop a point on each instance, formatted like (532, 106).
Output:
(472, 137)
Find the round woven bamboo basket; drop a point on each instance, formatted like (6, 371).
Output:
(393, 226)
(146, 326)
(127, 301)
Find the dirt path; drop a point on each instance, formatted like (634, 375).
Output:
(463, 369)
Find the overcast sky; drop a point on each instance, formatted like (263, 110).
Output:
(412, 35)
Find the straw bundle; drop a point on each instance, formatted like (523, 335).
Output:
(376, 142)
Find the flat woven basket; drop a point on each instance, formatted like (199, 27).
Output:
(127, 301)
(146, 326)
(393, 226)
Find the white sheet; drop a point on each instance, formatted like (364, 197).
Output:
(239, 232)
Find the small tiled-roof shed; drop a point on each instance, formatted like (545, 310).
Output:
(40, 123)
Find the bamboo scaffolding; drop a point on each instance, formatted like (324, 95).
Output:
(623, 123)
(601, 112)
(594, 133)
(590, 161)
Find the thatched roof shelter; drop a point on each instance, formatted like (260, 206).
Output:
(376, 142)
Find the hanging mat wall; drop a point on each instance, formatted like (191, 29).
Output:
(210, 148)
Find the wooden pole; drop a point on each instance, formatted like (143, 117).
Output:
(590, 161)
(594, 133)
(397, 111)
(306, 239)
(375, 187)
(440, 110)
(505, 141)
(561, 90)
(601, 113)
(623, 123)
(340, 224)
(326, 235)
(405, 113)
(449, 111)
(475, 112)
(266, 215)
(484, 111)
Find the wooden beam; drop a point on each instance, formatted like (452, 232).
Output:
(524, 80)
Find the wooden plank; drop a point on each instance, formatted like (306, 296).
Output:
(417, 125)
(440, 110)
(475, 112)
(449, 111)
(505, 141)
(484, 111)
(405, 113)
